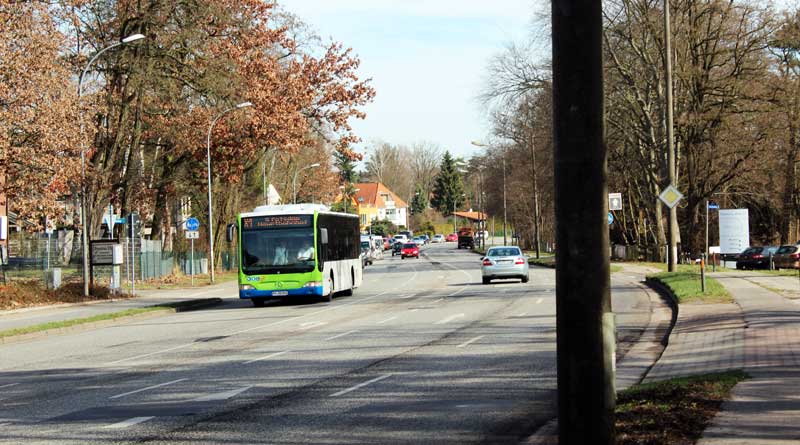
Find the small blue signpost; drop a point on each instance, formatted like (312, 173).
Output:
(192, 224)
(610, 218)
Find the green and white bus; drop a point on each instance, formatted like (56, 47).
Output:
(296, 250)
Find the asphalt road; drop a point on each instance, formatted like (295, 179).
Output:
(421, 353)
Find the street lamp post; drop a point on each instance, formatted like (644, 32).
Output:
(208, 166)
(294, 181)
(84, 234)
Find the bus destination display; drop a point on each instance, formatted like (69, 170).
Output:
(276, 222)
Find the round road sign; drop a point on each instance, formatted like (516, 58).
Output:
(610, 218)
(192, 224)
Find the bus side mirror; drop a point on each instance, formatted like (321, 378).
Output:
(323, 236)
(229, 232)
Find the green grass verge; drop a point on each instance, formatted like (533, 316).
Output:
(674, 412)
(184, 281)
(687, 287)
(614, 268)
(78, 321)
(778, 273)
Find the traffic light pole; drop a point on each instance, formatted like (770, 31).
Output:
(584, 321)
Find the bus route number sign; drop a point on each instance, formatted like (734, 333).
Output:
(276, 222)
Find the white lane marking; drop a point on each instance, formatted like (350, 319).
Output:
(312, 325)
(311, 314)
(8, 385)
(408, 296)
(539, 301)
(414, 310)
(387, 320)
(466, 343)
(441, 299)
(149, 354)
(360, 385)
(522, 314)
(274, 354)
(130, 422)
(222, 395)
(441, 277)
(449, 319)
(146, 389)
(341, 335)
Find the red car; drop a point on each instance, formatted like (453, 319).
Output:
(451, 238)
(409, 250)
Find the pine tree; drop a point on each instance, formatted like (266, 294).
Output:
(448, 191)
(420, 201)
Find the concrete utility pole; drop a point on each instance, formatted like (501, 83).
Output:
(584, 321)
(672, 231)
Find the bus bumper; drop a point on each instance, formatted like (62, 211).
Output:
(303, 291)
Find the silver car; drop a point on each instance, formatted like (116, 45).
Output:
(504, 262)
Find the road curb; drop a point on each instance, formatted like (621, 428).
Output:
(664, 290)
(181, 306)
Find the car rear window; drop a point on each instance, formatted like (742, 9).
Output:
(751, 250)
(504, 251)
(787, 249)
(409, 246)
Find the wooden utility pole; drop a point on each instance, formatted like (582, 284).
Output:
(584, 321)
(672, 229)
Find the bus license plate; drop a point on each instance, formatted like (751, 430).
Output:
(280, 293)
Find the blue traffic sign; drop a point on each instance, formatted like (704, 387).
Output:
(610, 218)
(192, 224)
(712, 205)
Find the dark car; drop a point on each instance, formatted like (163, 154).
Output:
(757, 257)
(409, 250)
(787, 257)
(397, 248)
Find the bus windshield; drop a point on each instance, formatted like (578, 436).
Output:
(278, 251)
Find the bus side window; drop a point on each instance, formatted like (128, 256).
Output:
(322, 252)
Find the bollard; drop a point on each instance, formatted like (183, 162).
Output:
(703, 273)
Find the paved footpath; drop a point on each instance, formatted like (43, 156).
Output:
(764, 410)
(31, 316)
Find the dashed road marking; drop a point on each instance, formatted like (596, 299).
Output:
(149, 354)
(387, 320)
(130, 422)
(539, 301)
(449, 319)
(222, 395)
(468, 342)
(146, 389)
(360, 385)
(274, 354)
(341, 335)
(9, 385)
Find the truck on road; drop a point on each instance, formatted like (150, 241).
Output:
(466, 238)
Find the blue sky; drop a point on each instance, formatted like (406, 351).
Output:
(427, 59)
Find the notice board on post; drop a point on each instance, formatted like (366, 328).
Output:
(734, 230)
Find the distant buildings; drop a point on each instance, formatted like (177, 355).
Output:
(376, 203)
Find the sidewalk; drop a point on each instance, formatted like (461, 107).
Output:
(759, 334)
(20, 318)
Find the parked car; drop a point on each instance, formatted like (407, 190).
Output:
(451, 238)
(438, 238)
(420, 241)
(409, 250)
(386, 244)
(397, 248)
(401, 237)
(787, 257)
(504, 262)
(756, 257)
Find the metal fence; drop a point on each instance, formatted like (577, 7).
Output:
(37, 256)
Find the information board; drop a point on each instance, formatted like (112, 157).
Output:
(276, 222)
(734, 230)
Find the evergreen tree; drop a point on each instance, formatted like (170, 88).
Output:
(448, 190)
(420, 201)
(348, 176)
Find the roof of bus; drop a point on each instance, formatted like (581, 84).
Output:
(292, 209)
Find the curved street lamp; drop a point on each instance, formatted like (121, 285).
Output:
(294, 181)
(85, 238)
(208, 165)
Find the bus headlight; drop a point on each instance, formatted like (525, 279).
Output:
(246, 287)
(313, 284)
